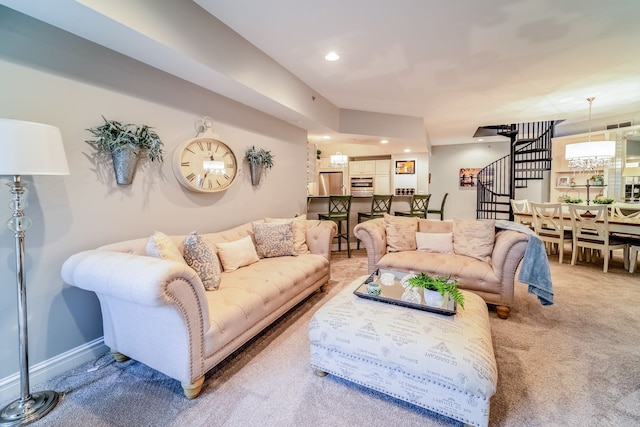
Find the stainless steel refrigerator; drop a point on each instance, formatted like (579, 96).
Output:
(330, 183)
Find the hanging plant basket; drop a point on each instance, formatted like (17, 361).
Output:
(124, 165)
(124, 142)
(258, 159)
(256, 172)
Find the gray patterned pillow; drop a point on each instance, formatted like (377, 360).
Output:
(274, 239)
(474, 238)
(401, 232)
(203, 259)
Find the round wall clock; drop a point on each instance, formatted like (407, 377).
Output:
(205, 164)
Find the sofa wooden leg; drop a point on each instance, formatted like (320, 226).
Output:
(503, 311)
(193, 390)
(320, 373)
(119, 357)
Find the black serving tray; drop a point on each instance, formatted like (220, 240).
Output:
(393, 294)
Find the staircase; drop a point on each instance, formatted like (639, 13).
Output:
(529, 158)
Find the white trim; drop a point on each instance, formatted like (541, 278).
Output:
(46, 370)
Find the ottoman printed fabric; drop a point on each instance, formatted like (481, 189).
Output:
(443, 363)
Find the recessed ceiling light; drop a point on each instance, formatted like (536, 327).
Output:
(406, 150)
(332, 56)
(384, 141)
(480, 140)
(326, 137)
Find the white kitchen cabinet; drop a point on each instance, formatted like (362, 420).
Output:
(362, 168)
(382, 184)
(383, 167)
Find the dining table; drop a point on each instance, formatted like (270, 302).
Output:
(622, 225)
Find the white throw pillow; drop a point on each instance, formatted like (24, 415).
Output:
(200, 256)
(236, 254)
(161, 246)
(435, 242)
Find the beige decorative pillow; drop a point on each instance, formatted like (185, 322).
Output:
(236, 254)
(200, 256)
(161, 246)
(299, 232)
(474, 238)
(401, 232)
(435, 242)
(274, 239)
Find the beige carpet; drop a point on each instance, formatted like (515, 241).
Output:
(576, 363)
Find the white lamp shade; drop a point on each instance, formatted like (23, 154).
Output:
(595, 149)
(28, 148)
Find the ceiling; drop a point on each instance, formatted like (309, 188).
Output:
(449, 66)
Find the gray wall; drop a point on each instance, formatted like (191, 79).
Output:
(52, 77)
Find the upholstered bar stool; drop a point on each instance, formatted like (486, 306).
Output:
(339, 210)
(419, 206)
(380, 204)
(441, 210)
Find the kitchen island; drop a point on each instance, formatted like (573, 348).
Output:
(320, 204)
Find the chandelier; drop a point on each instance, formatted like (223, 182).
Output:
(590, 155)
(339, 160)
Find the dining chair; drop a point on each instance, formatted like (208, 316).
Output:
(339, 211)
(590, 226)
(380, 205)
(441, 210)
(621, 212)
(548, 225)
(633, 257)
(521, 206)
(418, 206)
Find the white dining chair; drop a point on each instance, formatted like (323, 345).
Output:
(521, 206)
(548, 225)
(633, 257)
(590, 226)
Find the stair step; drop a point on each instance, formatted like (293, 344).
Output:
(525, 141)
(533, 150)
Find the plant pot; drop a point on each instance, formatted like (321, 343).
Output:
(124, 165)
(433, 298)
(256, 172)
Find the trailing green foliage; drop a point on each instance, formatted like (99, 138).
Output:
(603, 200)
(572, 200)
(259, 156)
(115, 136)
(441, 284)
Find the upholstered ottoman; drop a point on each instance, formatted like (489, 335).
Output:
(442, 363)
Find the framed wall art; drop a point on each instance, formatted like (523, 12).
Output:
(405, 167)
(469, 177)
(562, 181)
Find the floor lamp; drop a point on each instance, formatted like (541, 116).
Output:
(27, 149)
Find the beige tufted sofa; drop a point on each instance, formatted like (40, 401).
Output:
(493, 280)
(158, 312)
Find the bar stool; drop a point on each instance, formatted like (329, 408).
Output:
(339, 210)
(441, 211)
(380, 204)
(419, 206)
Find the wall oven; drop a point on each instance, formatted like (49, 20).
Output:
(361, 186)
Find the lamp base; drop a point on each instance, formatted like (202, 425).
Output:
(22, 412)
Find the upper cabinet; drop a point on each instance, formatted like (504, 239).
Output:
(383, 167)
(362, 167)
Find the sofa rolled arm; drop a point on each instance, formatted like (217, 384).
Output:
(135, 278)
(508, 250)
(373, 235)
(320, 234)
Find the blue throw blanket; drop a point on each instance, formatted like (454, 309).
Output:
(535, 270)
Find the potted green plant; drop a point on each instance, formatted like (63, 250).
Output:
(124, 142)
(441, 285)
(603, 200)
(597, 179)
(259, 159)
(572, 200)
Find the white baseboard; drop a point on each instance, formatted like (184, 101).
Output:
(46, 370)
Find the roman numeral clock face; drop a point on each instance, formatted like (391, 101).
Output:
(205, 165)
